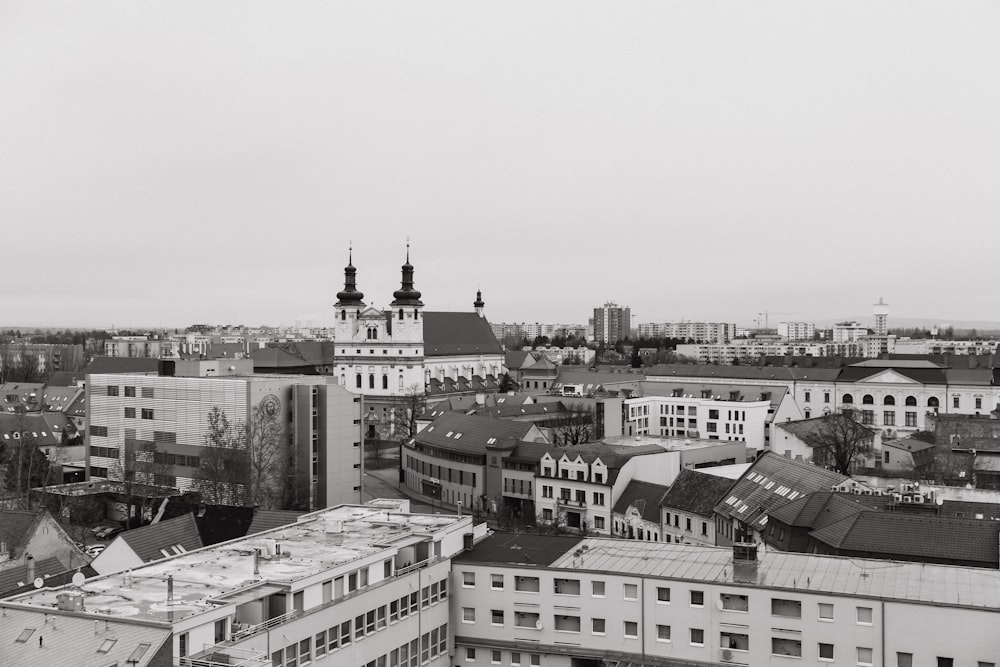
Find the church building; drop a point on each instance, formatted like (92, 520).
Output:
(392, 355)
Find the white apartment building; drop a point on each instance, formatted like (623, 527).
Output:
(709, 332)
(352, 585)
(155, 427)
(796, 330)
(845, 332)
(523, 600)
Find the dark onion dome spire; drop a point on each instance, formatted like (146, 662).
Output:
(478, 303)
(406, 295)
(350, 296)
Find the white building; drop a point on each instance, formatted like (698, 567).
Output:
(352, 585)
(796, 330)
(845, 332)
(155, 428)
(708, 332)
(565, 601)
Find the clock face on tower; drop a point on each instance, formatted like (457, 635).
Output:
(270, 404)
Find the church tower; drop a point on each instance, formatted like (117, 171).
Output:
(478, 304)
(349, 304)
(406, 309)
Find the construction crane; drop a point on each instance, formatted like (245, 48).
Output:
(767, 314)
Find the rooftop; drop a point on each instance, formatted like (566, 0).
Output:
(204, 578)
(878, 579)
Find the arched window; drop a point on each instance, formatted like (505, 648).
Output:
(868, 400)
(385, 381)
(415, 312)
(343, 380)
(847, 399)
(358, 378)
(400, 381)
(401, 314)
(932, 402)
(889, 400)
(371, 380)
(911, 400)
(343, 314)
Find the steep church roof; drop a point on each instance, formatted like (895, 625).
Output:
(452, 334)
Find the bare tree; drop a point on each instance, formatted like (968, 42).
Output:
(139, 467)
(408, 411)
(24, 464)
(265, 440)
(573, 427)
(838, 440)
(224, 461)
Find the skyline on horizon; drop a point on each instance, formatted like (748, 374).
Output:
(181, 163)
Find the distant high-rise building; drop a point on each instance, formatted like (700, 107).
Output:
(707, 332)
(612, 323)
(881, 310)
(796, 330)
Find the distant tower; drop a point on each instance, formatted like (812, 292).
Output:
(478, 303)
(349, 302)
(881, 310)
(407, 325)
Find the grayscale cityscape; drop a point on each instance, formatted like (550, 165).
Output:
(649, 334)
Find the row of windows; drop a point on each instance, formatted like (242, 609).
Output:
(567, 494)
(514, 658)
(579, 475)
(409, 654)
(461, 477)
(113, 390)
(548, 516)
(106, 452)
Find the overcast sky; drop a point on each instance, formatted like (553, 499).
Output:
(180, 162)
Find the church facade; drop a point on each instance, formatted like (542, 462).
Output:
(397, 355)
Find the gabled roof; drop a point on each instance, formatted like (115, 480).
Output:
(13, 578)
(172, 536)
(821, 508)
(517, 359)
(974, 376)
(612, 456)
(513, 411)
(268, 519)
(696, 492)
(17, 527)
(922, 375)
(451, 334)
(21, 396)
(541, 365)
(911, 536)
(771, 482)
(471, 433)
(274, 357)
(79, 407)
(107, 365)
(58, 399)
(43, 432)
(811, 431)
(645, 497)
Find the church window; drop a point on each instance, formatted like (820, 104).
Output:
(343, 380)
(401, 381)
(414, 313)
(343, 314)
(359, 380)
(401, 314)
(385, 381)
(371, 381)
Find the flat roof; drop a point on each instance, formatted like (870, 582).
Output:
(670, 444)
(805, 573)
(316, 543)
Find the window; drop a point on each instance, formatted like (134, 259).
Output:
(598, 498)
(515, 659)
(782, 646)
(864, 615)
(904, 660)
(825, 651)
(663, 594)
(566, 586)
(979, 403)
(147, 413)
(599, 522)
(786, 608)
(112, 391)
(825, 611)
(527, 619)
(130, 413)
(597, 626)
(99, 430)
(567, 623)
(889, 418)
(597, 589)
(495, 657)
(956, 402)
(662, 633)
(867, 399)
(526, 584)
(865, 655)
(496, 582)
(631, 592)
(496, 616)
(535, 659)
(734, 640)
(468, 580)
(945, 662)
(130, 391)
(697, 598)
(868, 417)
(911, 419)
(470, 654)
(732, 602)
(697, 637)
(468, 614)
(631, 629)
(807, 396)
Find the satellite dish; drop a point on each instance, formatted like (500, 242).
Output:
(38, 582)
(78, 579)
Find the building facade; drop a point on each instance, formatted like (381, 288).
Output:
(155, 430)
(612, 323)
(704, 332)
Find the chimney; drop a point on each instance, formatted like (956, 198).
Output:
(30, 561)
(256, 563)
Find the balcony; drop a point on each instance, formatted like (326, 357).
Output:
(569, 502)
(224, 656)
